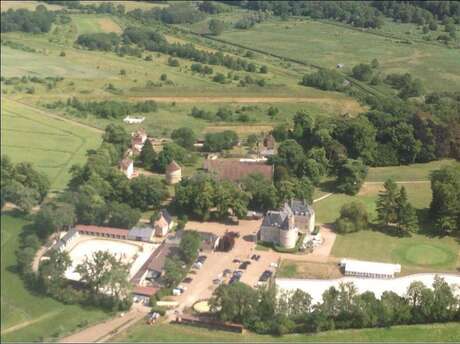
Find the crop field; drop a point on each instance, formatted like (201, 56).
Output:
(327, 45)
(50, 144)
(26, 317)
(180, 333)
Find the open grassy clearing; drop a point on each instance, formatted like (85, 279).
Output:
(50, 144)
(300, 269)
(417, 253)
(327, 45)
(412, 172)
(88, 23)
(26, 317)
(179, 333)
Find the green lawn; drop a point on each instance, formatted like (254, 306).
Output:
(179, 333)
(407, 172)
(87, 23)
(25, 316)
(327, 45)
(52, 145)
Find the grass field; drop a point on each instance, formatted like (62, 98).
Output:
(95, 23)
(27, 317)
(327, 45)
(29, 5)
(179, 333)
(52, 145)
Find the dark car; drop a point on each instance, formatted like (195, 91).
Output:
(227, 272)
(243, 266)
(236, 260)
(257, 257)
(202, 259)
(234, 279)
(248, 262)
(187, 280)
(254, 256)
(237, 273)
(265, 276)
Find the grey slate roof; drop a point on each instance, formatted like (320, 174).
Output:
(143, 232)
(166, 215)
(301, 208)
(278, 218)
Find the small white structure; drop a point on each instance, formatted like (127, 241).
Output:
(339, 65)
(127, 167)
(164, 224)
(173, 173)
(133, 120)
(64, 242)
(361, 268)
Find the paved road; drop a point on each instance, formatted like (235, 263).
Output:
(104, 331)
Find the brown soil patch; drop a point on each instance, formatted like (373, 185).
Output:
(370, 189)
(108, 25)
(313, 270)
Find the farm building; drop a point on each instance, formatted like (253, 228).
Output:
(127, 167)
(362, 268)
(107, 232)
(138, 139)
(133, 120)
(163, 224)
(173, 173)
(141, 234)
(235, 170)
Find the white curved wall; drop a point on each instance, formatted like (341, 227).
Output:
(316, 287)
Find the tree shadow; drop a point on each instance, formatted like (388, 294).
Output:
(329, 186)
(389, 230)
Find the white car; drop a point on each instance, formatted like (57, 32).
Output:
(273, 265)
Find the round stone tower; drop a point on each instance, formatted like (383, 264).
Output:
(288, 237)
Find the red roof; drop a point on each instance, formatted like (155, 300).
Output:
(235, 170)
(147, 291)
(173, 166)
(102, 230)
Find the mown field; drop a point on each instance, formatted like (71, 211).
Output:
(327, 45)
(179, 333)
(26, 317)
(50, 144)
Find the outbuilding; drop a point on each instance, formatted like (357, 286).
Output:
(361, 268)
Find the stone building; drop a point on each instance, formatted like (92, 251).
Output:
(278, 227)
(173, 173)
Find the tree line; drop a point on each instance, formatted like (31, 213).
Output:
(152, 40)
(223, 114)
(366, 14)
(38, 21)
(107, 108)
(268, 311)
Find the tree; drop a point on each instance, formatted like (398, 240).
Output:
(216, 27)
(375, 63)
(148, 156)
(234, 302)
(184, 137)
(291, 156)
(350, 176)
(52, 272)
(353, 218)
(262, 194)
(123, 216)
(117, 135)
(189, 245)
(445, 203)
(387, 206)
(147, 192)
(295, 188)
(407, 217)
(23, 197)
(174, 273)
(216, 142)
(54, 216)
(362, 72)
(171, 151)
(230, 200)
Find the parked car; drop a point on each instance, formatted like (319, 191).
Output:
(265, 276)
(216, 281)
(234, 279)
(236, 260)
(244, 266)
(202, 259)
(187, 280)
(273, 265)
(197, 265)
(238, 273)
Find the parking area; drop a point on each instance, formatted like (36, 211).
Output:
(201, 282)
